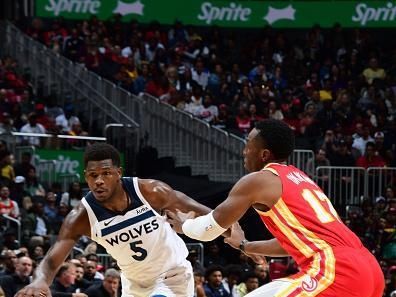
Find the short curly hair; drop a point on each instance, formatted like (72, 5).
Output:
(101, 151)
(277, 136)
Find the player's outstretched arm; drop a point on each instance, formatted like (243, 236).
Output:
(163, 197)
(259, 189)
(74, 226)
(271, 247)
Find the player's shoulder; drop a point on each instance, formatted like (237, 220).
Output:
(261, 177)
(152, 186)
(77, 215)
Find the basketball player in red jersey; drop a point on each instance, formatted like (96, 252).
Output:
(332, 259)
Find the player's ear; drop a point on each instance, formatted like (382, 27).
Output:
(265, 155)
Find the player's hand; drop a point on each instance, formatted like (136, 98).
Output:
(235, 239)
(236, 236)
(176, 219)
(35, 289)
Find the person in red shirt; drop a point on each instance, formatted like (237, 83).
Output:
(332, 260)
(370, 158)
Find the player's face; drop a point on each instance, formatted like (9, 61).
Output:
(102, 178)
(253, 152)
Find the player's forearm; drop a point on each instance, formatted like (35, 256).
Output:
(190, 204)
(46, 271)
(270, 248)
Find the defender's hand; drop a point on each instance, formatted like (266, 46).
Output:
(176, 219)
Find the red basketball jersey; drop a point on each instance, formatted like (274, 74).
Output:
(304, 220)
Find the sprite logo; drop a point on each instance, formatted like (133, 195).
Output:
(232, 12)
(64, 165)
(73, 6)
(365, 14)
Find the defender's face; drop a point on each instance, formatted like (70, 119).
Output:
(102, 178)
(253, 153)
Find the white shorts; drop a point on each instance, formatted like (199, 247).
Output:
(177, 282)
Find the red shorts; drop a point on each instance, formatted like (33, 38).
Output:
(341, 272)
(357, 273)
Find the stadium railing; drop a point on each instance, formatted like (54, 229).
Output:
(191, 141)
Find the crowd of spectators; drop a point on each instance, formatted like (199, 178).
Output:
(336, 88)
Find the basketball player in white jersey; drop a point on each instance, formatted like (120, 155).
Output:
(123, 214)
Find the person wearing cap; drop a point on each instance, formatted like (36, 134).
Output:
(17, 191)
(380, 207)
(342, 156)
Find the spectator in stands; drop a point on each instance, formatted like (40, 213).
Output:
(32, 185)
(9, 261)
(243, 121)
(6, 169)
(62, 211)
(7, 205)
(373, 71)
(249, 284)
(342, 156)
(9, 239)
(90, 269)
(108, 287)
(360, 141)
(213, 255)
(209, 111)
(50, 209)
(35, 226)
(379, 144)
(32, 127)
(73, 196)
(64, 281)
(370, 159)
(319, 160)
(74, 46)
(21, 278)
(262, 273)
(66, 120)
(274, 112)
(22, 168)
(199, 281)
(7, 124)
(195, 263)
(214, 286)
(80, 283)
(232, 277)
(390, 194)
(139, 84)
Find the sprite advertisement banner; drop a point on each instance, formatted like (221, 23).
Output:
(241, 14)
(66, 162)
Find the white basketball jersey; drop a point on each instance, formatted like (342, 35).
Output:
(141, 240)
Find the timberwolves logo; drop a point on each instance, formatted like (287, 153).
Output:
(309, 284)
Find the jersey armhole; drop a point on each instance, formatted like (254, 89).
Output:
(91, 217)
(137, 190)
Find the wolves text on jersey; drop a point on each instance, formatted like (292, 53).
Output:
(133, 233)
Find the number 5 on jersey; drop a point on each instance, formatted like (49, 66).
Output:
(140, 253)
(319, 202)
